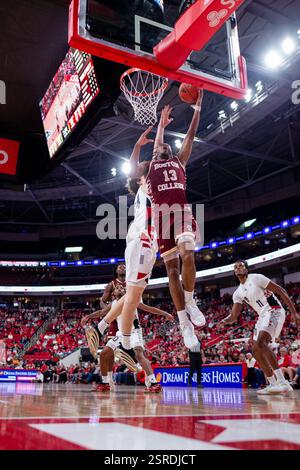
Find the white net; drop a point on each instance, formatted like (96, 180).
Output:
(143, 90)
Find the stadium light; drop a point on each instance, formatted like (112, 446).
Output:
(73, 249)
(273, 59)
(249, 236)
(259, 86)
(296, 220)
(113, 172)
(222, 114)
(249, 95)
(248, 223)
(126, 168)
(178, 144)
(266, 230)
(288, 45)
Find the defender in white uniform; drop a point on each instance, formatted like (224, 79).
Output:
(141, 242)
(140, 254)
(258, 292)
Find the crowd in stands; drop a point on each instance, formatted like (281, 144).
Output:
(63, 336)
(164, 345)
(17, 327)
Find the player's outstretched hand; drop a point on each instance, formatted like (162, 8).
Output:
(227, 320)
(165, 118)
(197, 105)
(84, 321)
(169, 317)
(144, 140)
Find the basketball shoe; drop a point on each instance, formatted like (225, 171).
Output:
(153, 388)
(189, 338)
(102, 388)
(285, 386)
(195, 314)
(274, 389)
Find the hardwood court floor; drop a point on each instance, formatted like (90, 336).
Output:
(35, 416)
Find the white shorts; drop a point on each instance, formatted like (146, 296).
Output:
(136, 340)
(140, 257)
(271, 321)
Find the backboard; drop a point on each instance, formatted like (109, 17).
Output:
(200, 46)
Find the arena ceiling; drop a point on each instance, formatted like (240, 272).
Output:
(247, 160)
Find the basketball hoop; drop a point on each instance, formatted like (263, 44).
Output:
(143, 90)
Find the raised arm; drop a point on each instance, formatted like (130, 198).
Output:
(97, 314)
(106, 297)
(164, 121)
(155, 311)
(282, 293)
(187, 145)
(135, 156)
(235, 312)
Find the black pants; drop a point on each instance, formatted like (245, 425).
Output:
(195, 366)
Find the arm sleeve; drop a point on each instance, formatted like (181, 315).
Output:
(261, 280)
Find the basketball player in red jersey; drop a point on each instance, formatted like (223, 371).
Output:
(113, 292)
(174, 221)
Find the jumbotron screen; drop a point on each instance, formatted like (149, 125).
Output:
(72, 90)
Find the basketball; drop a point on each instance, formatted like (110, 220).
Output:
(188, 93)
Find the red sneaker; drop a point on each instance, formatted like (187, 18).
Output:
(153, 388)
(102, 388)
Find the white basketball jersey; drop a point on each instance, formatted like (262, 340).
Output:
(142, 226)
(255, 294)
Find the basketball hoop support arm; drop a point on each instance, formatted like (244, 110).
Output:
(193, 30)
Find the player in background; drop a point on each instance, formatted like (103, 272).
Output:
(112, 293)
(137, 345)
(261, 293)
(174, 222)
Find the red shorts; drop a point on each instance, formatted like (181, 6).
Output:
(173, 226)
(113, 328)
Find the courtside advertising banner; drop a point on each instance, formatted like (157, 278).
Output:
(9, 154)
(17, 375)
(214, 375)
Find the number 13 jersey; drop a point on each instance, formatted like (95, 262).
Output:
(167, 182)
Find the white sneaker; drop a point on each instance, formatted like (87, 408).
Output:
(273, 389)
(285, 386)
(189, 338)
(196, 315)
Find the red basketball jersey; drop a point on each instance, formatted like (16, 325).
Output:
(117, 283)
(166, 181)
